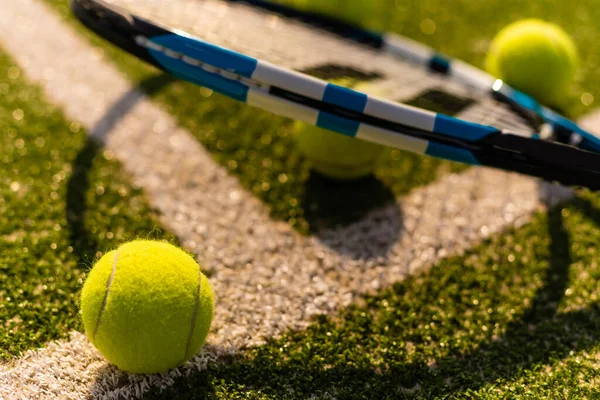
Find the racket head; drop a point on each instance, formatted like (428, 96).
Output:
(258, 54)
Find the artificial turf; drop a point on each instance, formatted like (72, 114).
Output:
(63, 201)
(516, 317)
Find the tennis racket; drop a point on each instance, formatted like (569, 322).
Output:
(281, 59)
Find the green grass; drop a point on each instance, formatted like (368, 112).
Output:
(63, 201)
(516, 317)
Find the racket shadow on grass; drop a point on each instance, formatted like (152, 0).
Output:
(360, 219)
(82, 241)
(542, 335)
(541, 325)
(542, 313)
(327, 204)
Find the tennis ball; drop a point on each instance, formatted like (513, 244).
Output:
(335, 155)
(147, 307)
(535, 57)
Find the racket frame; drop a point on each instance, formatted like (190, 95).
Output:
(575, 161)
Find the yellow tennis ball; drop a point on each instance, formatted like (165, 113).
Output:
(535, 57)
(147, 307)
(335, 155)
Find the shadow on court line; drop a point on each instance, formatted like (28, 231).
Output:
(324, 196)
(541, 323)
(541, 335)
(83, 242)
(326, 203)
(338, 205)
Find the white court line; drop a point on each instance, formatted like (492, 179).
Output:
(254, 260)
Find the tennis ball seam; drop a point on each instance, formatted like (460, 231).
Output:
(194, 315)
(106, 294)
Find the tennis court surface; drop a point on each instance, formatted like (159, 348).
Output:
(428, 280)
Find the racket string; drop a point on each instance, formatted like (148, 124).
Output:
(291, 44)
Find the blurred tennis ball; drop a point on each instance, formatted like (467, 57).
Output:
(335, 155)
(147, 307)
(535, 57)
